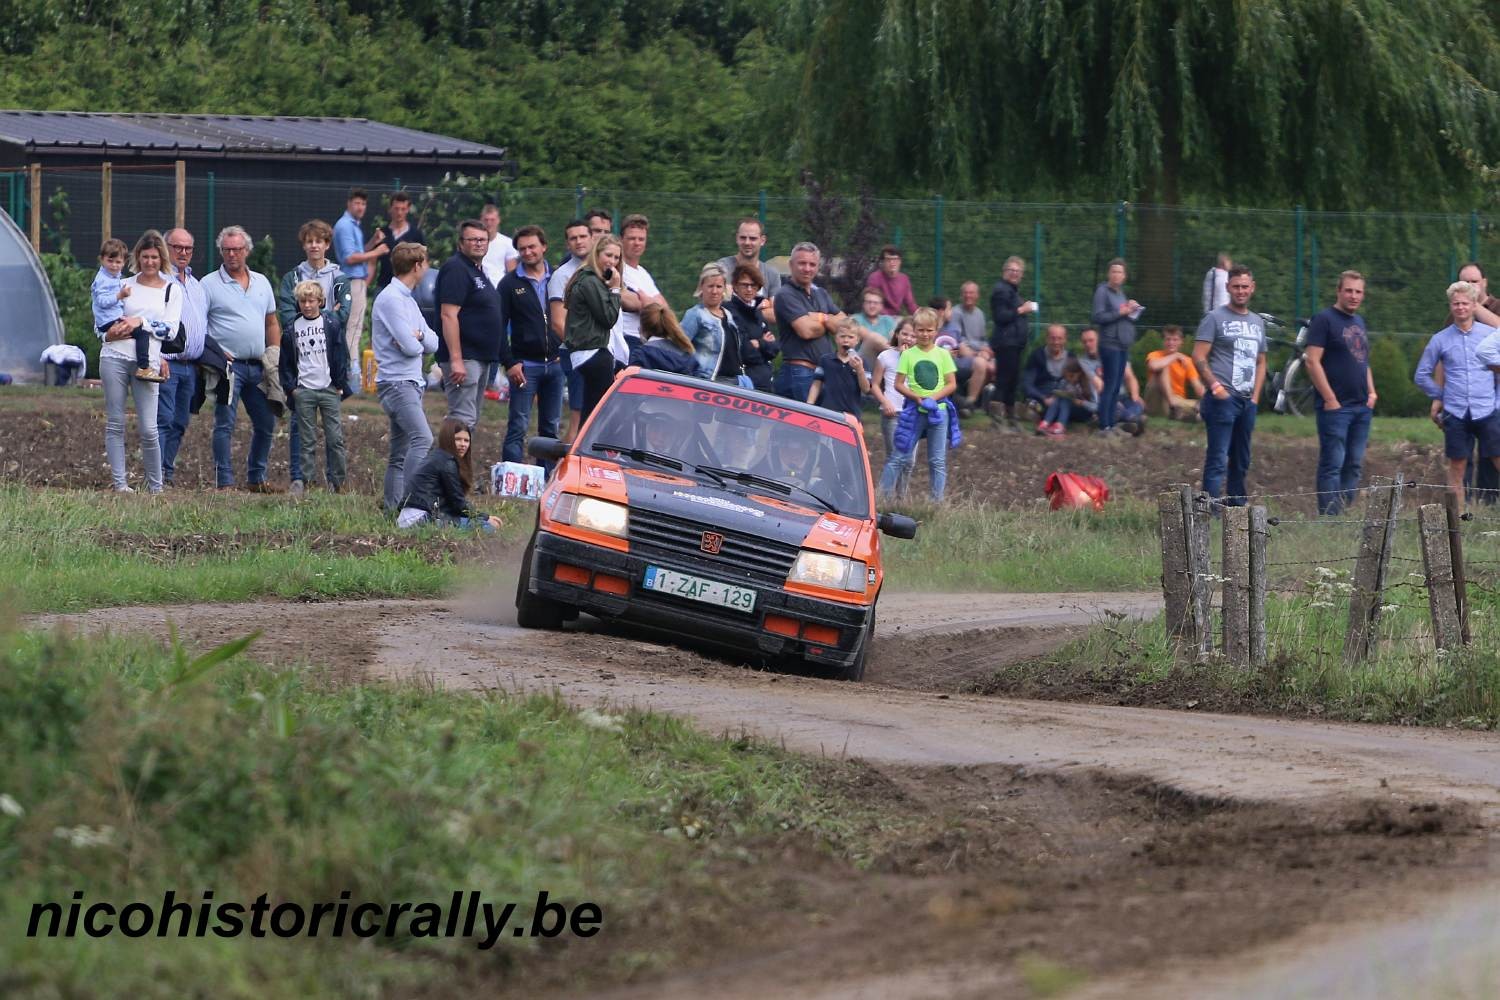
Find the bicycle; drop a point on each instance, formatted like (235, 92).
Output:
(1292, 389)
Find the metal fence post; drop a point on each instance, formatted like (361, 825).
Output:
(760, 213)
(1299, 223)
(1120, 230)
(578, 202)
(937, 245)
(1036, 317)
(1312, 281)
(1474, 234)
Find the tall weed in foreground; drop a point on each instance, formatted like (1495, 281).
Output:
(129, 771)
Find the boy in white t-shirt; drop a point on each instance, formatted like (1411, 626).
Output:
(315, 375)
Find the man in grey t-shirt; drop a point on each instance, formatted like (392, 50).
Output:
(1230, 354)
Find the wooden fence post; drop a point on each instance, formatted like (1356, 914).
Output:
(1456, 559)
(1258, 536)
(1437, 562)
(181, 194)
(36, 207)
(1236, 571)
(1196, 513)
(107, 198)
(1377, 537)
(1175, 587)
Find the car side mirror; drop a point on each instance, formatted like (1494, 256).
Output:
(898, 525)
(547, 449)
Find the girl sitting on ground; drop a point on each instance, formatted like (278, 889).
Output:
(439, 492)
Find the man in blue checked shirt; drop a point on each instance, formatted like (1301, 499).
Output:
(1464, 405)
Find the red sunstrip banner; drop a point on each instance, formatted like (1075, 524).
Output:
(830, 426)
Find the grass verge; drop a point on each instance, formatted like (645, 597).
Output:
(68, 551)
(132, 771)
(1405, 681)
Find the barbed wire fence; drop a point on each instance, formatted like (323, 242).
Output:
(1252, 583)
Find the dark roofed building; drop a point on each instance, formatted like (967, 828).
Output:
(228, 161)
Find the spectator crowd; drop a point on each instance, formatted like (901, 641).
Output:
(543, 331)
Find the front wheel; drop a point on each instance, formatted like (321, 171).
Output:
(1299, 390)
(855, 671)
(532, 610)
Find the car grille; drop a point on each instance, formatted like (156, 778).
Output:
(742, 555)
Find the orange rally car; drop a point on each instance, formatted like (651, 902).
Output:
(734, 516)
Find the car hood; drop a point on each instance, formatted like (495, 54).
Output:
(755, 515)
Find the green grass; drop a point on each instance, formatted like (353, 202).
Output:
(965, 547)
(67, 551)
(130, 771)
(1406, 680)
(1383, 430)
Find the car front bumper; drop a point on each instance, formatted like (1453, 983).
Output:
(737, 630)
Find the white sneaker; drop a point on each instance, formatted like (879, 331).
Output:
(123, 489)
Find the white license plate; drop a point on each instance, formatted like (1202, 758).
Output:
(695, 588)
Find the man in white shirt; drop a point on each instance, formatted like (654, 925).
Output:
(639, 288)
(501, 256)
(1216, 284)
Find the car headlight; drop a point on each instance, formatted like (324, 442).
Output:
(820, 569)
(592, 513)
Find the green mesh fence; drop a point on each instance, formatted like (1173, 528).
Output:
(1408, 258)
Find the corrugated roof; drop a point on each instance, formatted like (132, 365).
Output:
(233, 135)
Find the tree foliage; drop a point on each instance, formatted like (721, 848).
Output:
(1337, 105)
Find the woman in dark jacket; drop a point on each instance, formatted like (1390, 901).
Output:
(593, 301)
(439, 492)
(758, 346)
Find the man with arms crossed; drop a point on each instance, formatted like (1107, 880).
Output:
(1338, 365)
(1230, 352)
(805, 317)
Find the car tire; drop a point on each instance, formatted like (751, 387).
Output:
(855, 670)
(533, 611)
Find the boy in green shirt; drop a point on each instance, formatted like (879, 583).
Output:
(926, 376)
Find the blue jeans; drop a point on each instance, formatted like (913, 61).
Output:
(1342, 435)
(900, 463)
(1113, 363)
(173, 410)
(294, 442)
(245, 387)
(544, 382)
(1058, 411)
(793, 381)
(1229, 423)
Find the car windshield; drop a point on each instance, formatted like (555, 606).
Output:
(709, 428)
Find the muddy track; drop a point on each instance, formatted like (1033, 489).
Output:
(1294, 822)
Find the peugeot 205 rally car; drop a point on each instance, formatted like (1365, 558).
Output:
(720, 513)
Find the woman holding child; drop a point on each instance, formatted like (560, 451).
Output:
(154, 303)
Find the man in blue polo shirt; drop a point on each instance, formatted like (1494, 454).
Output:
(528, 349)
(805, 316)
(355, 261)
(1338, 365)
(472, 325)
(241, 312)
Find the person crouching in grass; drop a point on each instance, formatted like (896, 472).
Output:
(927, 377)
(315, 376)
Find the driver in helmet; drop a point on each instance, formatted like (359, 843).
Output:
(663, 433)
(790, 456)
(735, 443)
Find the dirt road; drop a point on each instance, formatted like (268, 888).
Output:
(1300, 815)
